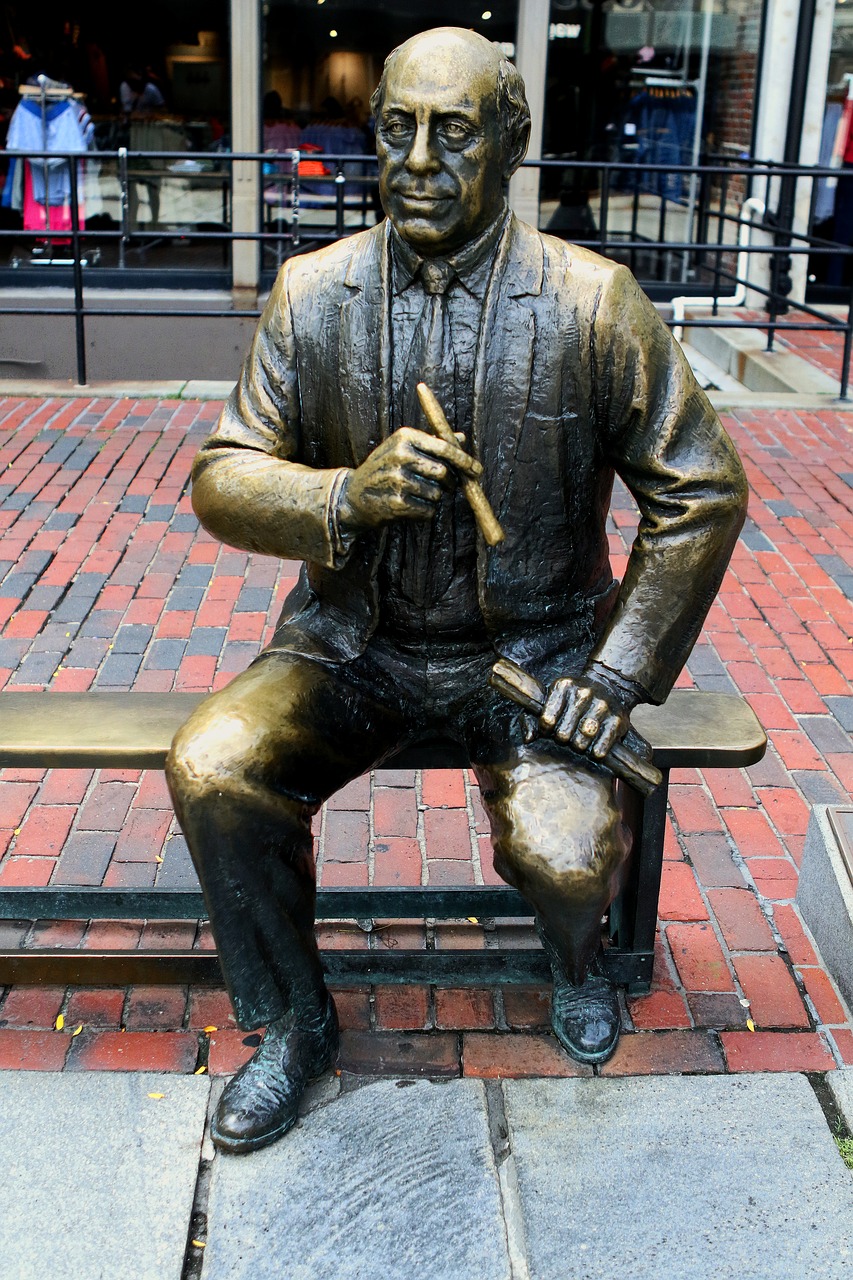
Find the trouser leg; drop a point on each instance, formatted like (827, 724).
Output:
(247, 772)
(558, 838)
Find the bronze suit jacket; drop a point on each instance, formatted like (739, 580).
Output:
(576, 377)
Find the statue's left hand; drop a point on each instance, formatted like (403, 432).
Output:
(582, 713)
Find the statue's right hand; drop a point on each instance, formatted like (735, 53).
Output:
(403, 478)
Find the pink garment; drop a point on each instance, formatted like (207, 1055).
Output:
(37, 217)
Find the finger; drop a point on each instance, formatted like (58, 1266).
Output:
(554, 704)
(428, 468)
(573, 712)
(449, 453)
(587, 724)
(611, 731)
(425, 490)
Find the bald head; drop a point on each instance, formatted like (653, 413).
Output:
(451, 126)
(462, 52)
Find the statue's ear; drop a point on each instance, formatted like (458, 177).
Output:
(517, 151)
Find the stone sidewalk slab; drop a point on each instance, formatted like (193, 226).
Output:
(386, 1181)
(735, 1178)
(98, 1177)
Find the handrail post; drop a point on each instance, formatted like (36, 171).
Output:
(848, 343)
(79, 322)
(124, 207)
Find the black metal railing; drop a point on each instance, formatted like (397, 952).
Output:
(705, 235)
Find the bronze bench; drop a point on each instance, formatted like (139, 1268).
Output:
(133, 731)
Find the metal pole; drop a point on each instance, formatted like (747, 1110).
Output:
(708, 14)
(780, 273)
(124, 207)
(79, 322)
(848, 342)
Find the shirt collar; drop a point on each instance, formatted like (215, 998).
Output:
(471, 264)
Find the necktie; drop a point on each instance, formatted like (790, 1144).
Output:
(429, 552)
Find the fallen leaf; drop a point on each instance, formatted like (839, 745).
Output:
(472, 919)
(199, 1071)
(750, 1025)
(60, 1022)
(157, 1096)
(199, 1244)
(209, 1029)
(157, 858)
(76, 1031)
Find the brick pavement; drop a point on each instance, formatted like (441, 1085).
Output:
(107, 583)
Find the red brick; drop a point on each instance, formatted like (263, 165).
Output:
(153, 792)
(772, 711)
(743, 923)
(512, 1057)
(659, 1011)
(142, 835)
(396, 861)
(775, 878)
(228, 1050)
(391, 1053)
(448, 834)
(106, 807)
(32, 1050)
(443, 788)
(451, 872)
(15, 799)
(794, 936)
(344, 875)
(796, 751)
(730, 787)
(680, 898)
(402, 1008)
(653, 1053)
(112, 935)
(698, 958)
(752, 834)
(95, 1007)
(155, 1008)
(773, 996)
(31, 1007)
(210, 1008)
(44, 831)
(527, 1008)
(776, 1051)
(353, 1006)
(65, 786)
(27, 872)
(133, 1051)
(395, 812)
(786, 809)
(464, 1009)
(844, 1043)
(801, 697)
(693, 810)
(824, 997)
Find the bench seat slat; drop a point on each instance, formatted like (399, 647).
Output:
(134, 730)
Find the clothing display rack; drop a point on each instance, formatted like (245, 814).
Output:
(45, 92)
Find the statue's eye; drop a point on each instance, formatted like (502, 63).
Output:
(454, 131)
(395, 129)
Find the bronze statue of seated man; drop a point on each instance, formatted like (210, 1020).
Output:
(555, 372)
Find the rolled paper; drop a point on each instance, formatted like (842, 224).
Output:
(523, 688)
(477, 500)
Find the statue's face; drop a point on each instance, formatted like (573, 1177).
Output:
(439, 144)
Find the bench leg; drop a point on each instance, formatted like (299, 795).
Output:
(634, 914)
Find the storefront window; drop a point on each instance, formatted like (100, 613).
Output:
(322, 61)
(150, 79)
(665, 82)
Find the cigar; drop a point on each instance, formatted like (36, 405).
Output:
(479, 503)
(524, 689)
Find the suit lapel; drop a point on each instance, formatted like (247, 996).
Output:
(364, 345)
(504, 364)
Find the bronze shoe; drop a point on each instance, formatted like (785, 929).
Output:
(261, 1102)
(585, 1019)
